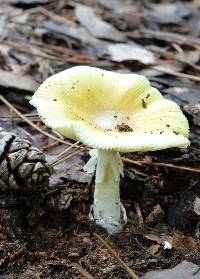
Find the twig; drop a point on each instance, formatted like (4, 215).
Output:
(59, 58)
(177, 48)
(117, 257)
(137, 163)
(63, 155)
(18, 119)
(172, 166)
(65, 158)
(47, 146)
(60, 156)
(139, 172)
(16, 255)
(22, 49)
(83, 271)
(51, 15)
(139, 214)
(126, 160)
(191, 65)
(177, 74)
(22, 116)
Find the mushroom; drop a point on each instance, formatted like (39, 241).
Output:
(112, 113)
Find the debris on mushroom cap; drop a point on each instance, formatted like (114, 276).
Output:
(110, 111)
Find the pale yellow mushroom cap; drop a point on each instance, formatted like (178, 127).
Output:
(110, 111)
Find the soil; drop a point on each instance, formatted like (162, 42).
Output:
(40, 241)
(46, 233)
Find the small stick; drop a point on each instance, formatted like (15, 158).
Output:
(117, 257)
(65, 158)
(60, 156)
(177, 48)
(47, 146)
(82, 271)
(53, 57)
(22, 116)
(139, 214)
(51, 15)
(126, 160)
(177, 74)
(16, 255)
(141, 163)
(139, 172)
(172, 166)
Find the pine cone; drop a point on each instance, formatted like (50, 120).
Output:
(22, 166)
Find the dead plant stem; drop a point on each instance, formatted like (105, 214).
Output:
(117, 257)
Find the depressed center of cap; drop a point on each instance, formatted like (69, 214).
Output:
(110, 120)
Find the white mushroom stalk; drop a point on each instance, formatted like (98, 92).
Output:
(107, 209)
(111, 113)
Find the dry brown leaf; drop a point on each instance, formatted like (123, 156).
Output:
(156, 215)
(184, 244)
(153, 249)
(161, 236)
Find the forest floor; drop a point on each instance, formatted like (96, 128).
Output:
(46, 233)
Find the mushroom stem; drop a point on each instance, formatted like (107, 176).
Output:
(107, 209)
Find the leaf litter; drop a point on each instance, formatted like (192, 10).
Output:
(47, 233)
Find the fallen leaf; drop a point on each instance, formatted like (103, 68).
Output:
(184, 270)
(115, 5)
(193, 109)
(156, 215)
(130, 52)
(22, 133)
(15, 80)
(171, 37)
(153, 249)
(186, 94)
(166, 13)
(78, 33)
(97, 27)
(78, 176)
(3, 26)
(184, 244)
(191, 56)
(197, 205)
(160, 236)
